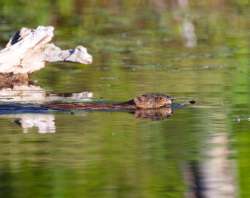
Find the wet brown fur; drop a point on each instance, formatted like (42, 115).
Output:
(145, 101)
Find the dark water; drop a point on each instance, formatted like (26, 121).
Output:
(190, 50)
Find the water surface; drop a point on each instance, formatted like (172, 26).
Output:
(190, 51)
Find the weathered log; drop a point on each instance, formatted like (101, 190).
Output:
(29, 49)
(34, 94)
(10, 80)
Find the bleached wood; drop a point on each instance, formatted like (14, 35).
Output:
(29, 49)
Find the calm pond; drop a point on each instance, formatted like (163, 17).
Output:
(188, 49)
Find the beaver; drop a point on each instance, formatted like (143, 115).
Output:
(152, 101)
(145, 101)
(152, 106)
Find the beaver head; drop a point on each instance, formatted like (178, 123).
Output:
(152, 101)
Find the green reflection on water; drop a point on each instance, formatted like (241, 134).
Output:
(138, 47)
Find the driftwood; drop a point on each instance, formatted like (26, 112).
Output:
(29, 49)
(34, 94)
(9, 80)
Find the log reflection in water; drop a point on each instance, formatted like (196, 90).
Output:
(45, 123)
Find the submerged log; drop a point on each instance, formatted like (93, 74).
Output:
(34, 94)
(29, 49)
